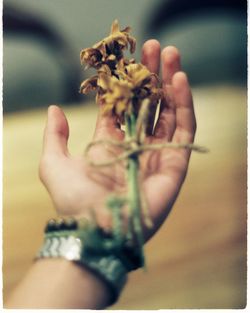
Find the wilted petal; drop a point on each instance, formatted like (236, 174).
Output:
(103, 81)
(111, 57)
(132, 43)
(107, 108)
(126, 29)
(122, 41)
(121, 106)
(105, 69)
(101, 47)
(138, 74)
(114, 27)
(88, 85)
(91, 57)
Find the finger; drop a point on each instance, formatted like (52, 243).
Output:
(171, 63)
(56, 132)
(185, 116)
(150, 57)
(107, 127)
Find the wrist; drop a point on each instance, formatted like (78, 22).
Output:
(93, 249)
(59, 284)
(85, 290)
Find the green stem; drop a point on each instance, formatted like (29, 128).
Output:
(133, 187)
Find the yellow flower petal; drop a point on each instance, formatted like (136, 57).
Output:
(121, 106)
(89, 84)
(114, 27)
(105, 69)
(107, 108)
(91, 57)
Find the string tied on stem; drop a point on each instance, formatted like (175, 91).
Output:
(135, 145)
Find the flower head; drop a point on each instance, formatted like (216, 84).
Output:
(121, 84)
(115, 95)
(126, 91)
(109, 50)
(144, 83)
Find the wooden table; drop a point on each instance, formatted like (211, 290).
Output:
(198, 258)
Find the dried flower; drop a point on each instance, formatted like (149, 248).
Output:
(126, 92)
(120, 83)
(109, 50)
(115, 96)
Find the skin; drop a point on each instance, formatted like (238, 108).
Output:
(76, 188)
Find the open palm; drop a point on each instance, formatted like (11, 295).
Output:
(77, 188)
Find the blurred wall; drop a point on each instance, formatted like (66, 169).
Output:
(210, 34)
(43, 67)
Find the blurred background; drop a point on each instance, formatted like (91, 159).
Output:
(198, 258)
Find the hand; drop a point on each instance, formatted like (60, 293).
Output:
(76, 188)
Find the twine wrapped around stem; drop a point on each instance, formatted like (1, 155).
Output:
(135, 145)
(132, 147)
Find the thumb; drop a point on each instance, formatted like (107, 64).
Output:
(56, 132)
